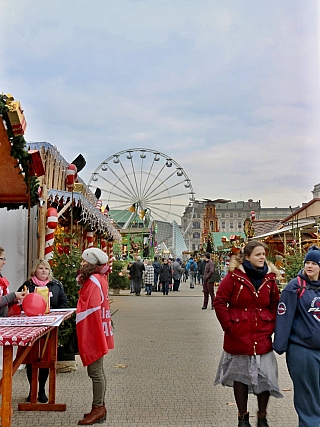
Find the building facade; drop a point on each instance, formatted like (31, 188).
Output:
(230, 217)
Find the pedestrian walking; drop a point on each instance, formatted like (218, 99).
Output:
(298, 334)
(129, 268)
(201, 267)
(246, 306)
(176, 274)
(208, 281)
(137, 270)
(149, 277)
(165, 276)
(94, 330)
(184, 272)
(156, 268)
(191, 268)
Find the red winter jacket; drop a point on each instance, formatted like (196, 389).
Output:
(247, 316)
(94, 330)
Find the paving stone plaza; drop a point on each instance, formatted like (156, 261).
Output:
(160, 373)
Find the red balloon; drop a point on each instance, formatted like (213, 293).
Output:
(34, 304)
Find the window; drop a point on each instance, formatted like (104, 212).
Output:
(223, 215)
(193, 247)
(196, 235)
(196, 224)
(239, 215)
(239, 225)
(231, 214)
(231, 224)
(223, 224)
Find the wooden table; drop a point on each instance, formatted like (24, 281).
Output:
(34, 342)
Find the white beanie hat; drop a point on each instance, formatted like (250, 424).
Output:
(95, 256)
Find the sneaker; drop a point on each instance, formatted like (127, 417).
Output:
(204, 308)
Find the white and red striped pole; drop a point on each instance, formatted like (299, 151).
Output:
(104, 246)
(111, 258)
(52, 222)
(99, 204)
(89, 238)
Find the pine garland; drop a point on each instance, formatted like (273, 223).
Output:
(19, 152)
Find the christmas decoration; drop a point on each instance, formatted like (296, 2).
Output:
(52, 222)
(209, 244)
(18, 151)
(111, 258)
(65, 266)
(16, 116)
(89, 238)
(248, 228)
(34, 304)
(71, 176)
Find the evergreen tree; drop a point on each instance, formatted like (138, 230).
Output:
(65, 265)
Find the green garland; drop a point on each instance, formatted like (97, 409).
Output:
(19, 152)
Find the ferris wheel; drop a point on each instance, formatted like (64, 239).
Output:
(145, 182)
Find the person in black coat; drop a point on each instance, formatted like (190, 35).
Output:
(137, 270)
(165, 276)
(41, 275)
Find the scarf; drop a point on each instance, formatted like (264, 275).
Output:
(4, 285)
(255, 275)
(38, 282)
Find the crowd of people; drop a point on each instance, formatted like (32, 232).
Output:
(248, 306)
(166, 274)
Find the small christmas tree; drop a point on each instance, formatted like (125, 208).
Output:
(65, 265)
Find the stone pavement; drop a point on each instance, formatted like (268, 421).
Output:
(160, 373)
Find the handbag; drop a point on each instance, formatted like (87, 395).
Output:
(215, 277)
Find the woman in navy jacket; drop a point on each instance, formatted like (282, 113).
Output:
(246, 305)
(298, 334)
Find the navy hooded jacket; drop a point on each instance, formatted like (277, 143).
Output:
(298, 316)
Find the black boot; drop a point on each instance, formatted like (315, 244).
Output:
(262, 420)
(43, 376)
(243, 420)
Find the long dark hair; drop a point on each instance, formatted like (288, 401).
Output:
(86, 271)
(248, 249)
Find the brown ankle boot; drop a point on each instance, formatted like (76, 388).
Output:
(262, 420)
(97, 415)
(243, 420)
(85, 415)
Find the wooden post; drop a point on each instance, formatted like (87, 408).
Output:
(43, 222)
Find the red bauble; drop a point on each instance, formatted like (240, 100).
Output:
(34, 304)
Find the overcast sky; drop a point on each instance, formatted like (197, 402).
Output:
(228, 88)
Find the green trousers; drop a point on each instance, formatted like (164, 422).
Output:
(99, 381)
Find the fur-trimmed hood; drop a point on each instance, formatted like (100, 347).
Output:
(235, 263)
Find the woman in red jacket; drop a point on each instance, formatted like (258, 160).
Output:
(246, 305)
(94, 331)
